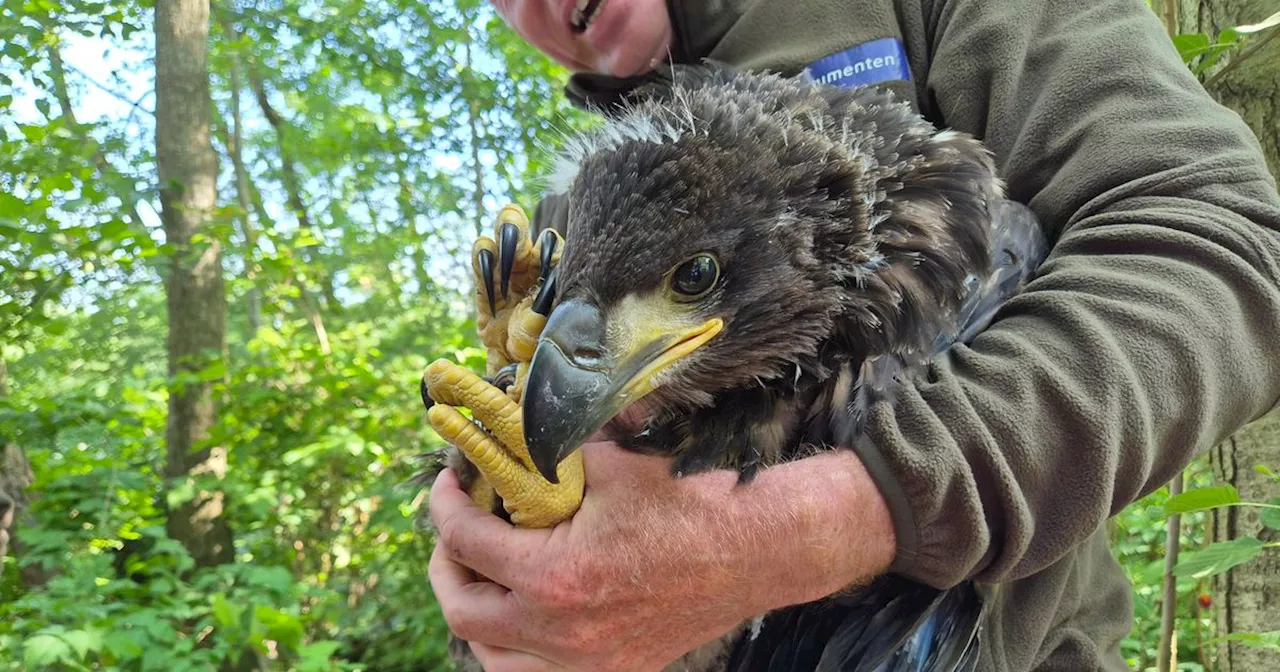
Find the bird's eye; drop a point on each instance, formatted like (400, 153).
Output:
(696, 276)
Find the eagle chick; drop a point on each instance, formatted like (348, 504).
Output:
(751, 263)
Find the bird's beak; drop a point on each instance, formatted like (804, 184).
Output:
(585, 371)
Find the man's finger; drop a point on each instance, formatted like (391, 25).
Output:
(473, 608)
(481, 540)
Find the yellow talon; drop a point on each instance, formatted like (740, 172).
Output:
(500, 454)
(509, 329)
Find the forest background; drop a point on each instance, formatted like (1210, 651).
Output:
(327, 165)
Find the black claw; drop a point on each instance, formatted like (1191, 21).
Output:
(508, 242)
(486, 274)
(546, 295)
(426, 396)
(548, 247)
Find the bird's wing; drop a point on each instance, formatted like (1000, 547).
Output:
(1019, 245)
(893, 625)
(897, 625)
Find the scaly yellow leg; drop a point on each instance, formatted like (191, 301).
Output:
(509, 270)
(500, 454)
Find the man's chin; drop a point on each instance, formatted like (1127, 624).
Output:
(624, 63)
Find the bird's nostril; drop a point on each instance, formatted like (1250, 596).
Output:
(587, 354)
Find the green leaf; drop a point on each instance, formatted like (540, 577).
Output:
(83, 642)
(224, 612)
(1259, 640)
(1271, 517)
(124, 643)
(315, 657)
(1218, 558)
(1202, 498)
(1190, 44)
(42, 650)
(1262, 469)
(114, 230)
(280, 626)
(277, 579)
(216, 370)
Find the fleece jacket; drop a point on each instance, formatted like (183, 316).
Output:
(1150, 333)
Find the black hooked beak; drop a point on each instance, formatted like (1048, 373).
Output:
(582, 375)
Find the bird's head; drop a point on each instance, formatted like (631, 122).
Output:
(727, 231)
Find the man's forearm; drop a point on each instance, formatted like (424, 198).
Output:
(829, 524)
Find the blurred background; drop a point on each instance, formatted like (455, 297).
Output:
(252, 506)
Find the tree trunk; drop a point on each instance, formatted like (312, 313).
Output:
(1251, 87)
(1246, 599)
(194, 286)
(15, 478)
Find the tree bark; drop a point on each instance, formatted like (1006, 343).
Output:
(1246, 599)
(15, 478)
(1251, 87)
(196, 295)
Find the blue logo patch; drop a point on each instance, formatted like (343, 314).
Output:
(867, 63)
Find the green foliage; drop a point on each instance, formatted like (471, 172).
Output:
(1202, 53)
(401, 126)
(1202, 499)
(1137, 537)
(1260, 640)
(391, 131)
(1218, 558)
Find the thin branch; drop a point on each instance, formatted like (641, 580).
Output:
(293, 193)
(473, 113)
(63, 95)
(404, 201)
(1171, 17)
(234, 148)
(110, 91)
(1235, 62)
(1167, 654)
(254, 197)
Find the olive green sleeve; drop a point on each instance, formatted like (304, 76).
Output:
(1151, 332)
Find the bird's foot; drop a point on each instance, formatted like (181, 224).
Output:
(496, 446)
(515, 286)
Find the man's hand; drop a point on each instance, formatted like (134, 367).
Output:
(653, 566)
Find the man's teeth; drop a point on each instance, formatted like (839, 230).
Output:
(581, 19)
